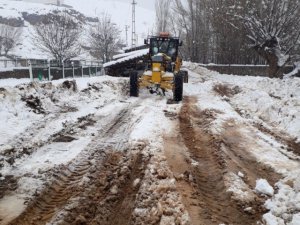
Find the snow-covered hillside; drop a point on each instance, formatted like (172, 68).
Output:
(21, 12)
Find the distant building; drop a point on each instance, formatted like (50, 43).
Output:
(54, 2)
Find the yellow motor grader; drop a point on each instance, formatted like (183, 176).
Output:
(163, 70)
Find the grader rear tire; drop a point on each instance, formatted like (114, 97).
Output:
(134, 84)
(185, 76)
(178, 87)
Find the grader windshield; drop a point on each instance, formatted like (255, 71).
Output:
(168, 46)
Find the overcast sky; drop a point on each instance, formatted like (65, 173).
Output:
(149, 4)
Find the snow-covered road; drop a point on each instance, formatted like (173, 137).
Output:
(83, 152)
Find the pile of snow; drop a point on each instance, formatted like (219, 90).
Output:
(286, 203)
(16, 116)
(263, 187)
(238, 187)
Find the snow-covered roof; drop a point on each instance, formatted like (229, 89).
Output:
(128, 56)
(137, 46)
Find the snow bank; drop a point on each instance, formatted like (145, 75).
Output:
(274, 101)
(16, 116)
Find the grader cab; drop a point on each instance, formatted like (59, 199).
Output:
(163, 70)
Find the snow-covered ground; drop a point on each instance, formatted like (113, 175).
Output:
(100, 100)
(34, 118)
(274, 103)
(64, 107)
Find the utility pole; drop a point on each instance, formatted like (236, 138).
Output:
(126, 30)
(133, 35)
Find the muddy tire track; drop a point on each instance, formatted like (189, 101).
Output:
(109, 196)
(180, 165)
(122, 210)
(215, 205)
(69, 181)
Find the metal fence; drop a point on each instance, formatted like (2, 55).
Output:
(48, 69)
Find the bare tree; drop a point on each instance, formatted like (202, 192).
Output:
(182, 25)
(9, 36)
(58, 36)
(219, 31)
(192, 23)
(104, 38)
(163, 14)
(273, 27)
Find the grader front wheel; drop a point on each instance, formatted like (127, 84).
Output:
(134, 84)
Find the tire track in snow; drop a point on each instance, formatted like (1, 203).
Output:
(66, 182)
(214, 204)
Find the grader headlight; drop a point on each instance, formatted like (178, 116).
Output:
(156, 68)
